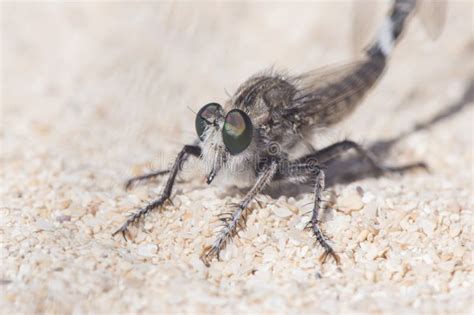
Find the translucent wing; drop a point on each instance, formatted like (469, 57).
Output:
(432, 15)
(327, 95)
(326, 76)
(368, 14)
(365, 18)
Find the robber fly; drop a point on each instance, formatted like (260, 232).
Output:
(250, 136)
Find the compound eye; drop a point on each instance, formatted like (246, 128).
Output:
(206, 117)
(237, 131)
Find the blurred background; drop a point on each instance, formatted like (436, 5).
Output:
(94, 92)
(125, 76)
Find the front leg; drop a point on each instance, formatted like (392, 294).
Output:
(147, 176)
(231, 223)
(187, 150)
(151, 175)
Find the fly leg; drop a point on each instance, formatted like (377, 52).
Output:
(313, 224)
(140, 178)
(304, 170)
(151, 175)
(335, 150)
(231, 222)
(186, 151)
(309, 167)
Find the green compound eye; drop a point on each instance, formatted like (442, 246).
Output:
(237, 131)
(206, 117)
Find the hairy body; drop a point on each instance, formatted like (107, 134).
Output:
(248, 140)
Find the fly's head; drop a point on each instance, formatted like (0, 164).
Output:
(228, 140)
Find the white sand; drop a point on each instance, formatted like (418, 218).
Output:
(94, 93)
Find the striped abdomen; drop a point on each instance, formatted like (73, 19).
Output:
(326, 97)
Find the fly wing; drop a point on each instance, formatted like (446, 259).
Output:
(367, 15)
(327, 95)
(365, 18)
(432, 15)
(324, 77)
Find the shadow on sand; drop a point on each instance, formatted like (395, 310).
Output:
(353, 167)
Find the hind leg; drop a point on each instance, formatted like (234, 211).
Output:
(335, 150)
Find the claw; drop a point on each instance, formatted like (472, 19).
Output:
(115, 233)
(123, 231)
(423, 166)
(208, 253)
(205, 256)
(405, 168)
(128, 184)
(328, 252)
(169, 201)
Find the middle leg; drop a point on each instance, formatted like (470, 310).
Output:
(332, 152)
(307, 170)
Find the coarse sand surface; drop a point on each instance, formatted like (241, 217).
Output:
(93, 93)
